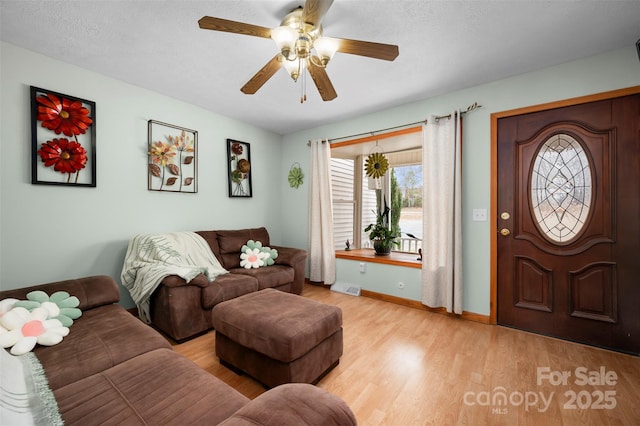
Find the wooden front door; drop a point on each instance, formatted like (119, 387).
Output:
(568, 207)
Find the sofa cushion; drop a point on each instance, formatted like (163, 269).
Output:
(273, 276)
(158, 387)
(231, 243)
(101, 338)
(227, 287)
(211, 237)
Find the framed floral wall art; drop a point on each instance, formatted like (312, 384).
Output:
(239, 166)
(173, 158)
(63, 139)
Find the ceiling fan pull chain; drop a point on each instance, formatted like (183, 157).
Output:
(302, 89)
(303, 83)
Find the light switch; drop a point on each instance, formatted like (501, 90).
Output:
(479, 215)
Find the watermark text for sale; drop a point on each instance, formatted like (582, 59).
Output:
(588, 389)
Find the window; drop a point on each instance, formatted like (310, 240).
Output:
(561, 190)
(343, 190)
(356, 198)
(409, 182)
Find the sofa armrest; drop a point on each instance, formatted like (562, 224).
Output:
(91, 291)
(289, 256)
(294, 404)
(199, 280)
(296, 258)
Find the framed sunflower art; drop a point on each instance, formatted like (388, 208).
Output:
(63, 139)
(173, 158)
(239, 167)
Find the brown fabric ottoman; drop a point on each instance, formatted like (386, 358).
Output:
(278, 337)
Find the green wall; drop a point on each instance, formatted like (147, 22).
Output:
(612, 70)
(50, 233)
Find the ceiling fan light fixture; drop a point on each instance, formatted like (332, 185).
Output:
(301, 47)
(285, 38)
(292, 68)
(326, 47)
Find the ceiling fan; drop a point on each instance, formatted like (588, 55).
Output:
(302, 47)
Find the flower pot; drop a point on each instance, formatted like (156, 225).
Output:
(380, 248)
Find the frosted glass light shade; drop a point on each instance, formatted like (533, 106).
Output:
(326, 47)
(285, 38)
(293, 68)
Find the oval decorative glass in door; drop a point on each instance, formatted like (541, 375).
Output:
(561, 188)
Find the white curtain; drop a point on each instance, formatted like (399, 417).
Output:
(442, 245)
(322, 261)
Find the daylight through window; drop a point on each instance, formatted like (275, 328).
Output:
(357, 198)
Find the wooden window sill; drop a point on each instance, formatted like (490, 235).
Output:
(409, 260)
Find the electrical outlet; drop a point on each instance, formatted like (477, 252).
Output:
(363, 267)
(400, 285)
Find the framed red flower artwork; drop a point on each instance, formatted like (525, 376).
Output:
(173, 158)
(63, 139)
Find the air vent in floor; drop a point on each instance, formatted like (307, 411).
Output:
(346, 288)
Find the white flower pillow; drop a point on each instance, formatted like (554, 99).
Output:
(260, 255)
(252, 258)
(41, 319)
(21, 329)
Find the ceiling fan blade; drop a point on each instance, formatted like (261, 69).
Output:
(388, 52)
(262, 76)
(314, 11)
(321, 79)
(219, 24)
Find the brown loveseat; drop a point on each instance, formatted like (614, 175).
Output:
(114, 369)
(183, 310)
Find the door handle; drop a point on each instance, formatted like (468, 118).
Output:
(505, 232)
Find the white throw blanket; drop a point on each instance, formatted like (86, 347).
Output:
(151, 258)
(25, 396)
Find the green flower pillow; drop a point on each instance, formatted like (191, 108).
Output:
(68, 304)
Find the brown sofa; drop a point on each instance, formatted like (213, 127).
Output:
(114, 369)
(183, 310)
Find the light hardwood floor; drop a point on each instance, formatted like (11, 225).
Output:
(405, 366)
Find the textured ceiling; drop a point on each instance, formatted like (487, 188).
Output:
(444, 46)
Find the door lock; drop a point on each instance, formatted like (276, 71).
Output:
(505, 216)
(505, 232)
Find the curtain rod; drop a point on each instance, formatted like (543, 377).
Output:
(470, 108)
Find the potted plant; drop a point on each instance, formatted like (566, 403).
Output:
(383, 237)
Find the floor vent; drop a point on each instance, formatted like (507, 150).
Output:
(346, 288)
